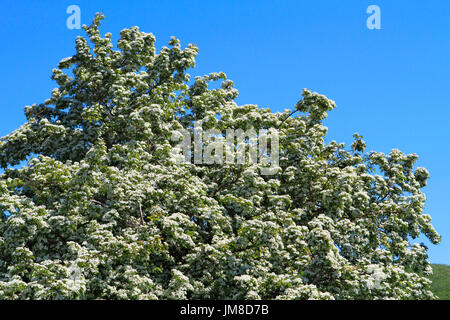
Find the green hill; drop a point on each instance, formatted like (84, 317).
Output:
(441, 281)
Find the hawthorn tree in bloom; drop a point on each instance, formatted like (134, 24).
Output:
(102, 209)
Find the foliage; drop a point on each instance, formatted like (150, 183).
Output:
(103, 210)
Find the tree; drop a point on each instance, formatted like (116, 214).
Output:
(103, 208)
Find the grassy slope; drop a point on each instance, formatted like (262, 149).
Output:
(441, 281)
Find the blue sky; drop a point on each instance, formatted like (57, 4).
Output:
(390, 85)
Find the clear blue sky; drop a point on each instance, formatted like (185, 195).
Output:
(391, 85)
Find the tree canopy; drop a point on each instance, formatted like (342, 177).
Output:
(103, 209)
